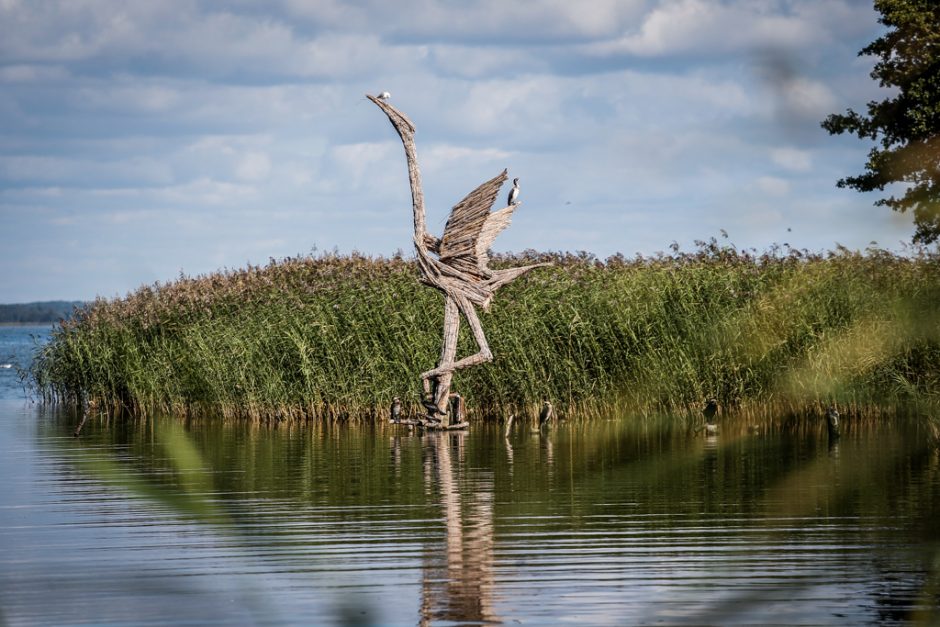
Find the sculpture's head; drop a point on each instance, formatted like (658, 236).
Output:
(401, 123)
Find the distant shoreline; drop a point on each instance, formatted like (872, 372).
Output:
(40, 312)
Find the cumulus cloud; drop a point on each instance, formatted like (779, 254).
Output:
(696, 25)
(29, 169)
(706, 29)
(792, 159)
(28, 73)
(773, 185)
(253, 166)
(484, 62)
(187, 37)
(797, 96)
(357, 159)
(493, 21)
(445, 155)
(244, 124)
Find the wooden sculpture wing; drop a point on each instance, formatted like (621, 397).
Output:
(495, 223)
(468, 219)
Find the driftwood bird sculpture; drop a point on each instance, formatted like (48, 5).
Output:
(456, 264)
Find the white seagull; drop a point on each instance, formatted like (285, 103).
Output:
(514, 192)
(384, 95)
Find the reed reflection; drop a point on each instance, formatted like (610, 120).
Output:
(457, 583)
(597, 520)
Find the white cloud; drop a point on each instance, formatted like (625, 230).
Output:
(128, 216)
(792, 159)
(355, 162)
(773, 185)
(491, 106)
(185, 38)
(711, 28)
(348, 56)
(511, 24)
(806, 98)
(485, 62)
(132, 97)
(28, 73)
(77, 171)
(174, 125)
(329, 13)
(446, 155)
(207, 191)
(253, 166)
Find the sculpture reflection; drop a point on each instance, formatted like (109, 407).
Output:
(457, 583)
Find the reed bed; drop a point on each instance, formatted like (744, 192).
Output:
(339, 336)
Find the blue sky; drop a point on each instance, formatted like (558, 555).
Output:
(140, 139)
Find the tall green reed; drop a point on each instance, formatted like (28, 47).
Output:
(341, 335)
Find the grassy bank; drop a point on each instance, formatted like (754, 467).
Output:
(342, 335)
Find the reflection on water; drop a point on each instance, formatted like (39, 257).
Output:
(157, 521)
(457, 580)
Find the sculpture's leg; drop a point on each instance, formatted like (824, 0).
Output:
(445, 368)
(473, 320)
(444, 372)
(485, 355)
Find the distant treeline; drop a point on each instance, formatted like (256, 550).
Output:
(343, 335)
(47, 311)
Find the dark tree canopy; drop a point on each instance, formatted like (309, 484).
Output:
(905, 127)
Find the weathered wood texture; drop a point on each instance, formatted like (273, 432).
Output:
(460, 269)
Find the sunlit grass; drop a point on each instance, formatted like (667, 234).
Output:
(342, 335)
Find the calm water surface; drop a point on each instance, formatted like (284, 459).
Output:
(163, 521)
(16, 346)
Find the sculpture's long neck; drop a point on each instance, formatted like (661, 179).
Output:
(406, 131)
(417, 193)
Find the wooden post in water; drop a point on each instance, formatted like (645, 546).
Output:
(457, 265)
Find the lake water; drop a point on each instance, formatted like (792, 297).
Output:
(608, 522)
(16, 346)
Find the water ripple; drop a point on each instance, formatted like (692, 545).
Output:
(224, 524)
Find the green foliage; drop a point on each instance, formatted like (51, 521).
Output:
(343, 335)
(906, 125)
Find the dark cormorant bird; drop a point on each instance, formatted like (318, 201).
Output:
(711, 408)
(455, 407)
(514, 193)
(396, 409)
(832, 422)
(546, 415)
(431, 406)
